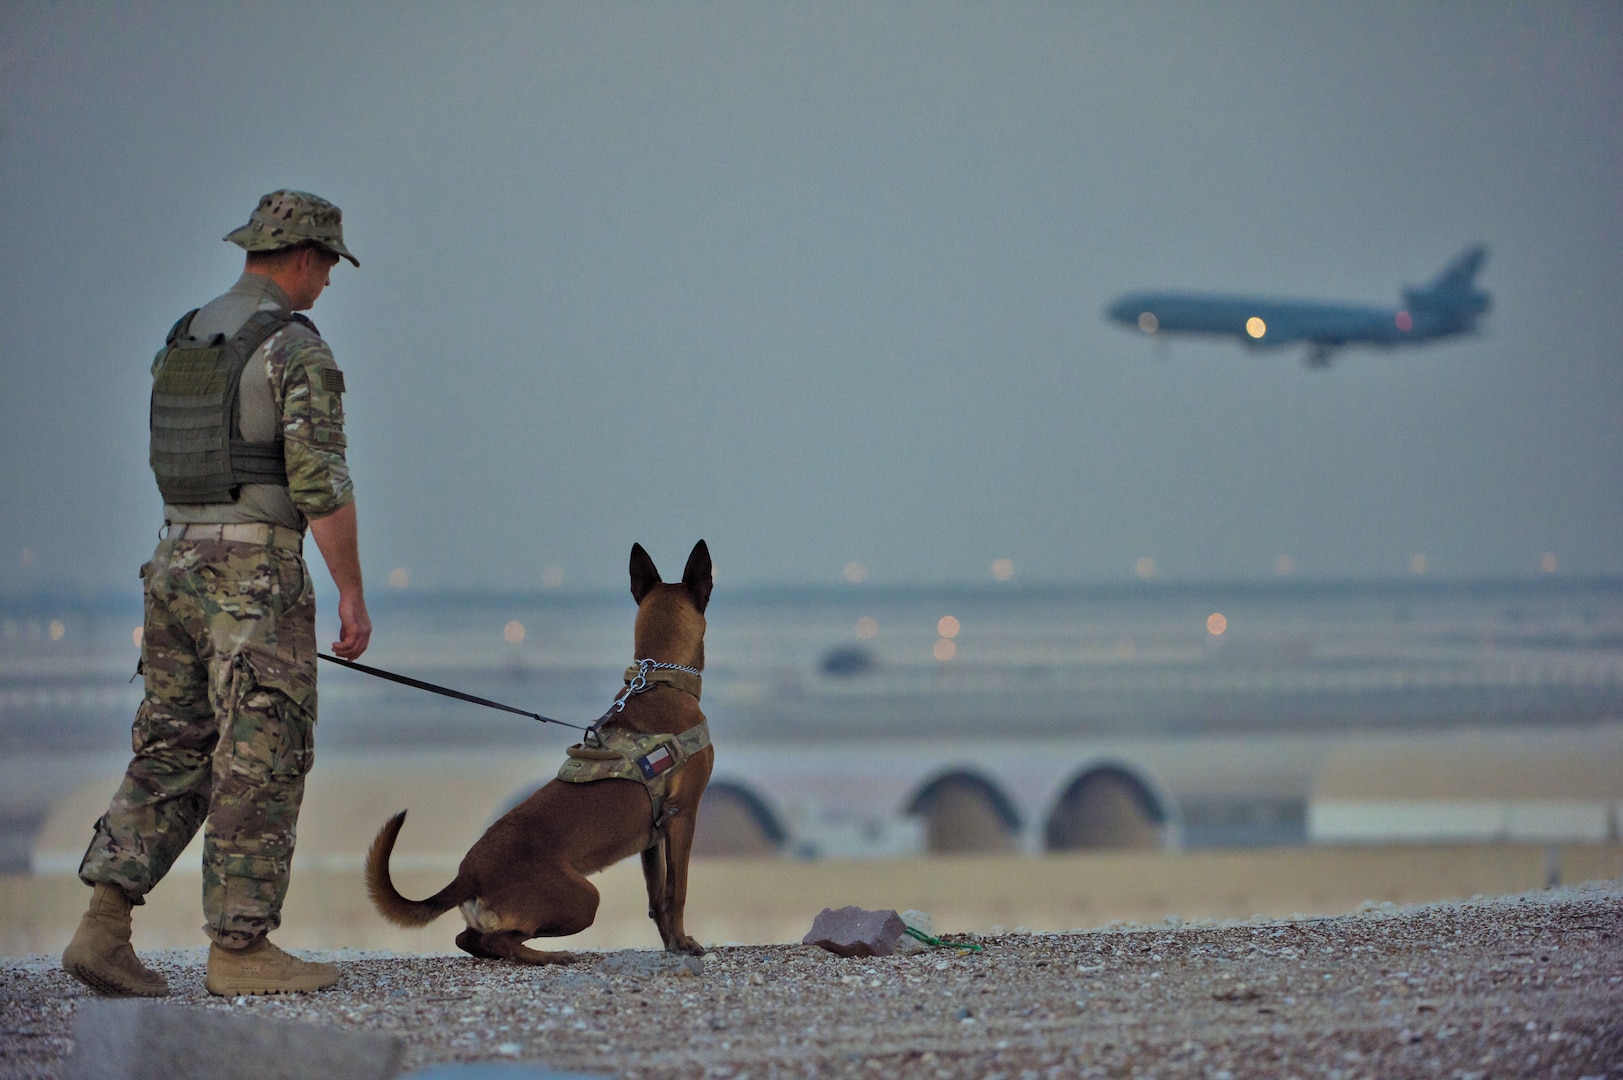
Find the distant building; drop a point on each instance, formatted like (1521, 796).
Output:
(1539, 787)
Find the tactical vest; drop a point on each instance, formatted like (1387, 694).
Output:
(651, 760)
(196, 453)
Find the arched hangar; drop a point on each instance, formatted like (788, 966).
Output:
(879, 800)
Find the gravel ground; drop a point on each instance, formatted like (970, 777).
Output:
(1528, 986)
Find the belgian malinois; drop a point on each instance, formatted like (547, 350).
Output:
(526, 876)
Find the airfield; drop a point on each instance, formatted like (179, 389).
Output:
(1082, 756)
(1447, 847)
(1182, 852)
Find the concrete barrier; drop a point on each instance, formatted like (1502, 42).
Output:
(149, 1040)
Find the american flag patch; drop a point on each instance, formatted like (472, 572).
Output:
(332, 379)
(655, 763)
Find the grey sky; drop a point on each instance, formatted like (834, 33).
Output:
(823, 283)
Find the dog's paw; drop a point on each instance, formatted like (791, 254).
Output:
(685, 944)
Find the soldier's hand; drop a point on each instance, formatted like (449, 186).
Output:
(354, 626)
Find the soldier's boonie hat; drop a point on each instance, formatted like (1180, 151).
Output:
(284, 218)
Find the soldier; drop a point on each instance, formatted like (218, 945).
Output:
(247, 443)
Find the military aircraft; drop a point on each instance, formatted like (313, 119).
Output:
(1449, 304)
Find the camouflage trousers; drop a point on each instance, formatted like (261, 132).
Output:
(224, 736)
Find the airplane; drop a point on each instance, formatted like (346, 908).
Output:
(1449, 304)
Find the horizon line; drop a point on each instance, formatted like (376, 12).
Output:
(60, 595)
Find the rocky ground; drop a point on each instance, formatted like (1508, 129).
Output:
(1528, 986)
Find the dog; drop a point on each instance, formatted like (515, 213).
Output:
(526, 877)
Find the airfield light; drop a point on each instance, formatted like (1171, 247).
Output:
(399, 577)
(1417, 563)
(1148, 323)
(1405, 321)
(867, 628)
(513, 632)
(1144, 567)
(1002, 569)
(945, 649)
(1216, 623)
(1256, 327)
(1548, 563)
(855, 572)
(136, 635)
(58, 630)
(947, 627)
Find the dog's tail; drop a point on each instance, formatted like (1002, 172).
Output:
(394, 907)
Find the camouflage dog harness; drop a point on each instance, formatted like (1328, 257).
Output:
(609, 753)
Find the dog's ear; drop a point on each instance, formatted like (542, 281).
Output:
(698, 575)
(644, 574)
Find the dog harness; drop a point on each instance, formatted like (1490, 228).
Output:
(608, 753)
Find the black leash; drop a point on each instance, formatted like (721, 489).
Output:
(446, 691)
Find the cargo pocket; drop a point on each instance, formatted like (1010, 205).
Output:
(270, 726)
(242, 899)
(293, 584)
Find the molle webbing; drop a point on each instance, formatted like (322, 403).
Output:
(195, 452)
(626, 755)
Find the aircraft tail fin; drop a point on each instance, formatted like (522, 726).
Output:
(1454, 288)
(1459, 275)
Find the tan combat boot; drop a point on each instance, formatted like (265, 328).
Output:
(100, 955)
(262, 968)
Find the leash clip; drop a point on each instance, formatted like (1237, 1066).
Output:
(635, 685)
(639, 681)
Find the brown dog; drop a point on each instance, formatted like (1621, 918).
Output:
(526, 876)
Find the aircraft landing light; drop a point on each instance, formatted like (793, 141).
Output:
(1148, 323)
(1256, 327)
(1405, 321)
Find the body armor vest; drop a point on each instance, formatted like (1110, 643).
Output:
(196, 453)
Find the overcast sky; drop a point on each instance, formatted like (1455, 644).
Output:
(824, 283)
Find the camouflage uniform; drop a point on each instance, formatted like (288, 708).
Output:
(225, 734)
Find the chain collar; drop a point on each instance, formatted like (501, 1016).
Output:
(639, 681)
(636, 684)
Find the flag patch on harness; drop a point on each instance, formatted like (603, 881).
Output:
(657, 762)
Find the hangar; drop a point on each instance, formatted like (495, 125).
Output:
(898, 799)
